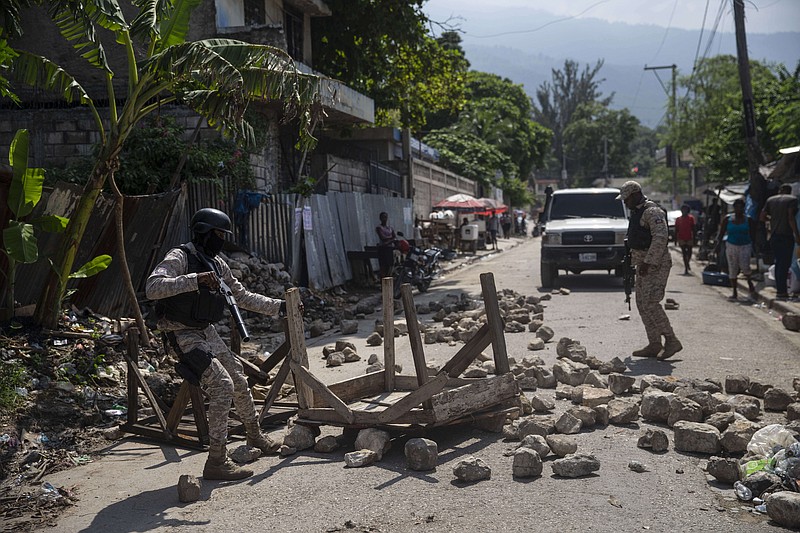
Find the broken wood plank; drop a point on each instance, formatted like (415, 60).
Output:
(133, 387)
(454, 403)
(199, 410)
(357, 387)
(495, 322)
(133, 347)
(414, 336)
(275, 388)
(387, 293)
(178, 407)
(151, 433)
(472, 349)
(252, 370)
(320, 389)
(405, 383)
(329, 416)
(421, 395)
(276, 357)
(297, 340)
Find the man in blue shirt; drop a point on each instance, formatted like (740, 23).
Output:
(246, 201)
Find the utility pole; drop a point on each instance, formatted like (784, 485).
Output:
(758, 185)
(673, 155)
(605, 160)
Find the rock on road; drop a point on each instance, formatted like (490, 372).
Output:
(133, 488)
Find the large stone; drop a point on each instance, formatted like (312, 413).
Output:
(536, 442)
(576, 465)
(326, 444)
(350, 355)
(619, 383)
(724, 469)
(593, 397)
(721, 421)
(421, 454)
(189, 488)
(654, 439)
(349, 327)
(623, 411)
(696, 437)
(527, 463)
(595, 379)
(569, 372)
(360, 458)
(746, 405)
(561, 445)
(245, 454)
(541, 404)
(377, 440)
(545, 333)
(534, 325)
(299, 437)
(681, 408)
(475, 372)
(705, 399)
(536, 344)
(793, 411)
(758, 388)
(586, 415)
(736, 384)
(777, 399)
(791, 321)
(568, 424)
(537, 425)
(545, 378)
(784, 508)
(655, 405)
(525, 405)
(335, 359)
(472, 469)
(601, 415)
(615, 365)
(737, 435)
(374, 339)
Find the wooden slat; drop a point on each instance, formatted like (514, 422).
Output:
(151, 433)
(405, 383)
(252, 370)
(178, 407)
(454, 403)
(305, 396)
(495, 323)
(413, 399)
(133, 387)
(143, 384)
(199, 410)
(472, 349)
(320, 389)
(387, 292)
(414, 336)
(276, 357)
(329, 416)
(275, 388)
(357, 387)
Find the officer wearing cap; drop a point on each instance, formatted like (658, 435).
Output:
(648, 237)
(186, 287)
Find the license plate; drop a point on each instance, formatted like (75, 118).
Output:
(587, 258)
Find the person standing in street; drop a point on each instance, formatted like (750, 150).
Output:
(186, 287)
(386, 238)
(741, 235)
(492, 225)
(648, 237)
(780, 211)
(685, 232)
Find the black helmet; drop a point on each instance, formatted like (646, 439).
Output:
(208, 218)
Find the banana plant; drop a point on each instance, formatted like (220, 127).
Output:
(19, 237)
(218, 78)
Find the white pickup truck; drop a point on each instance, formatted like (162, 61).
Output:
(584, 229)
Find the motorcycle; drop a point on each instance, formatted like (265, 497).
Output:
(418, 268)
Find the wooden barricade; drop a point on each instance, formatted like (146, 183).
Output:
(384, 398)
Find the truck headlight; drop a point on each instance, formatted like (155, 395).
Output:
(551, 238)
(619, 238)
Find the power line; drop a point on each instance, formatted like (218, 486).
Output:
(514, 32)
(666, 31)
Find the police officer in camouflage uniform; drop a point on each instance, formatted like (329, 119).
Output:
(186, 286)
(648, 236)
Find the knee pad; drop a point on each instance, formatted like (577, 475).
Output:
(192, 364)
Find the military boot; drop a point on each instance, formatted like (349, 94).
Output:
(651, 350)
(671, 347)
(218, 466)
(265, 443)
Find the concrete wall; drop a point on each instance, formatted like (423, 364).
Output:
(432, 184)
(347, 175)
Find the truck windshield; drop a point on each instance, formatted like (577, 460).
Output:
(588, 205)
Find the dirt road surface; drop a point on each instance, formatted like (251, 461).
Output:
(133, 487)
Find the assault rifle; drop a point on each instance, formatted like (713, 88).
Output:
(229, 299)
(628, 274)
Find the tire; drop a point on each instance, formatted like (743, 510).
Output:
(549, 273)
(424, 285)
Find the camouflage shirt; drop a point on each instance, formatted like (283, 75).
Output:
(170, 278)
(655, 220)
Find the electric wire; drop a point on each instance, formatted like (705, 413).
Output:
(666, 31)
(515, 32)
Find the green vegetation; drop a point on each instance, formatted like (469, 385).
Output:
(12, 375)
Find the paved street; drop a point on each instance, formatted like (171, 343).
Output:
(133, 487)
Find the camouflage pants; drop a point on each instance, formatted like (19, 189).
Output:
(224, 380)
(650, 291)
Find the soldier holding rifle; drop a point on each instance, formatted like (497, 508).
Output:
(647, 238)
(193, 286)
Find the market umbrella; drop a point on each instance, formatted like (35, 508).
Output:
(459, 201)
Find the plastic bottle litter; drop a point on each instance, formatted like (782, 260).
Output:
(761, 508)
(742, 491)
(113, 412)
(21, 391)
(48, 492)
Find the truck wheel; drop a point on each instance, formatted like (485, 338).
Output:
(549, 274)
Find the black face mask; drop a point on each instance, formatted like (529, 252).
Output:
(212, 245)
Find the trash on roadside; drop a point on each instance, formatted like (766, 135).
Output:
(769, 440)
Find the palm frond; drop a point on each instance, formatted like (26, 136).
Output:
(194, 63)
(174, 28)
(38, 71)
(78, 29)
(145, 26)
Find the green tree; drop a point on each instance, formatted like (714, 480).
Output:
(783, 110)
(384, 50)
(217, 78)
(560, 98)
